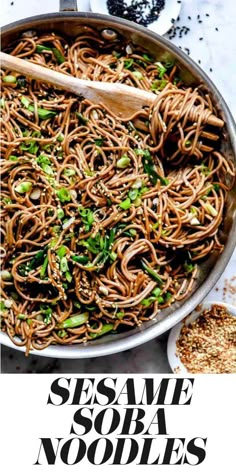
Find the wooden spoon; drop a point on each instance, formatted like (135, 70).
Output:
(122, 100)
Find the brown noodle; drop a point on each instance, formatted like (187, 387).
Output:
(76, 264)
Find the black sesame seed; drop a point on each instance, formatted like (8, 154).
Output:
(200, 39)
(199, 21)
(199, 62)
(216, 29)
(189, 17)
(198, 17)
(207, 14)
(210, 69)
(12, 3)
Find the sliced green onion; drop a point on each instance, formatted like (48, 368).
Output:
(128, 63)
(60, 138)
(9, 79)
(82, 119)
(113, 256)
(44, 268)
(5, 275)
(210, 209)
(46, 311)
(21, 316)
(120, 315)
(25, 102)
(152, 273)
(161, 69)
(104, 330)
(168, 296)
(62, 333)
(74, 321)
(156, 292)
(42, 48)
(99, 141)
(126, 204)
(188, 267)
(58, 55)
(68, 276)
(2, 102)
(68, 172)
(60, 213)
(138, 74)
(80, 259)
(61, 251)
(13, 158)
(64, 265)
(7, 200)
(63, 195)
(24, 187)
(123, 162)
(133, 193)
(158, 84)
(148, 58)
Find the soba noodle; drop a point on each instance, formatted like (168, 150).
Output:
(103, 220)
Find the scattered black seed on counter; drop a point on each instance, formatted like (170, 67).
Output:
(199, 21)
(199, 62)
(200, 39)
(207, 14)
(12, 3)
(216, 29)
(189, 17)
(198, 17)
(142, 12)
(210, 69)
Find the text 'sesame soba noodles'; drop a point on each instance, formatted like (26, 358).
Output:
(103, 220)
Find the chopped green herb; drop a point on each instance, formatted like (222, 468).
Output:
(120, 315)
(60, 138)
(13, 158)
(99, 141)
(30, 146)
(61, 251)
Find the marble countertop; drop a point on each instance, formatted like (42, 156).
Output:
(215, 22)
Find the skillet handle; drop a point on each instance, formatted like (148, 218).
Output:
(68, 5)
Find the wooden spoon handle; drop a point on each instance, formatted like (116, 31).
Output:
(120, 98)
(93, 90)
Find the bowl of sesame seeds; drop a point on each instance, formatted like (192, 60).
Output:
(205, 341)
(157, 15)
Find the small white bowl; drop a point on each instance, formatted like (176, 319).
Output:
(165, 21)
(175, 363)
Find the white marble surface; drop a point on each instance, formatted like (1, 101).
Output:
(217, 51)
